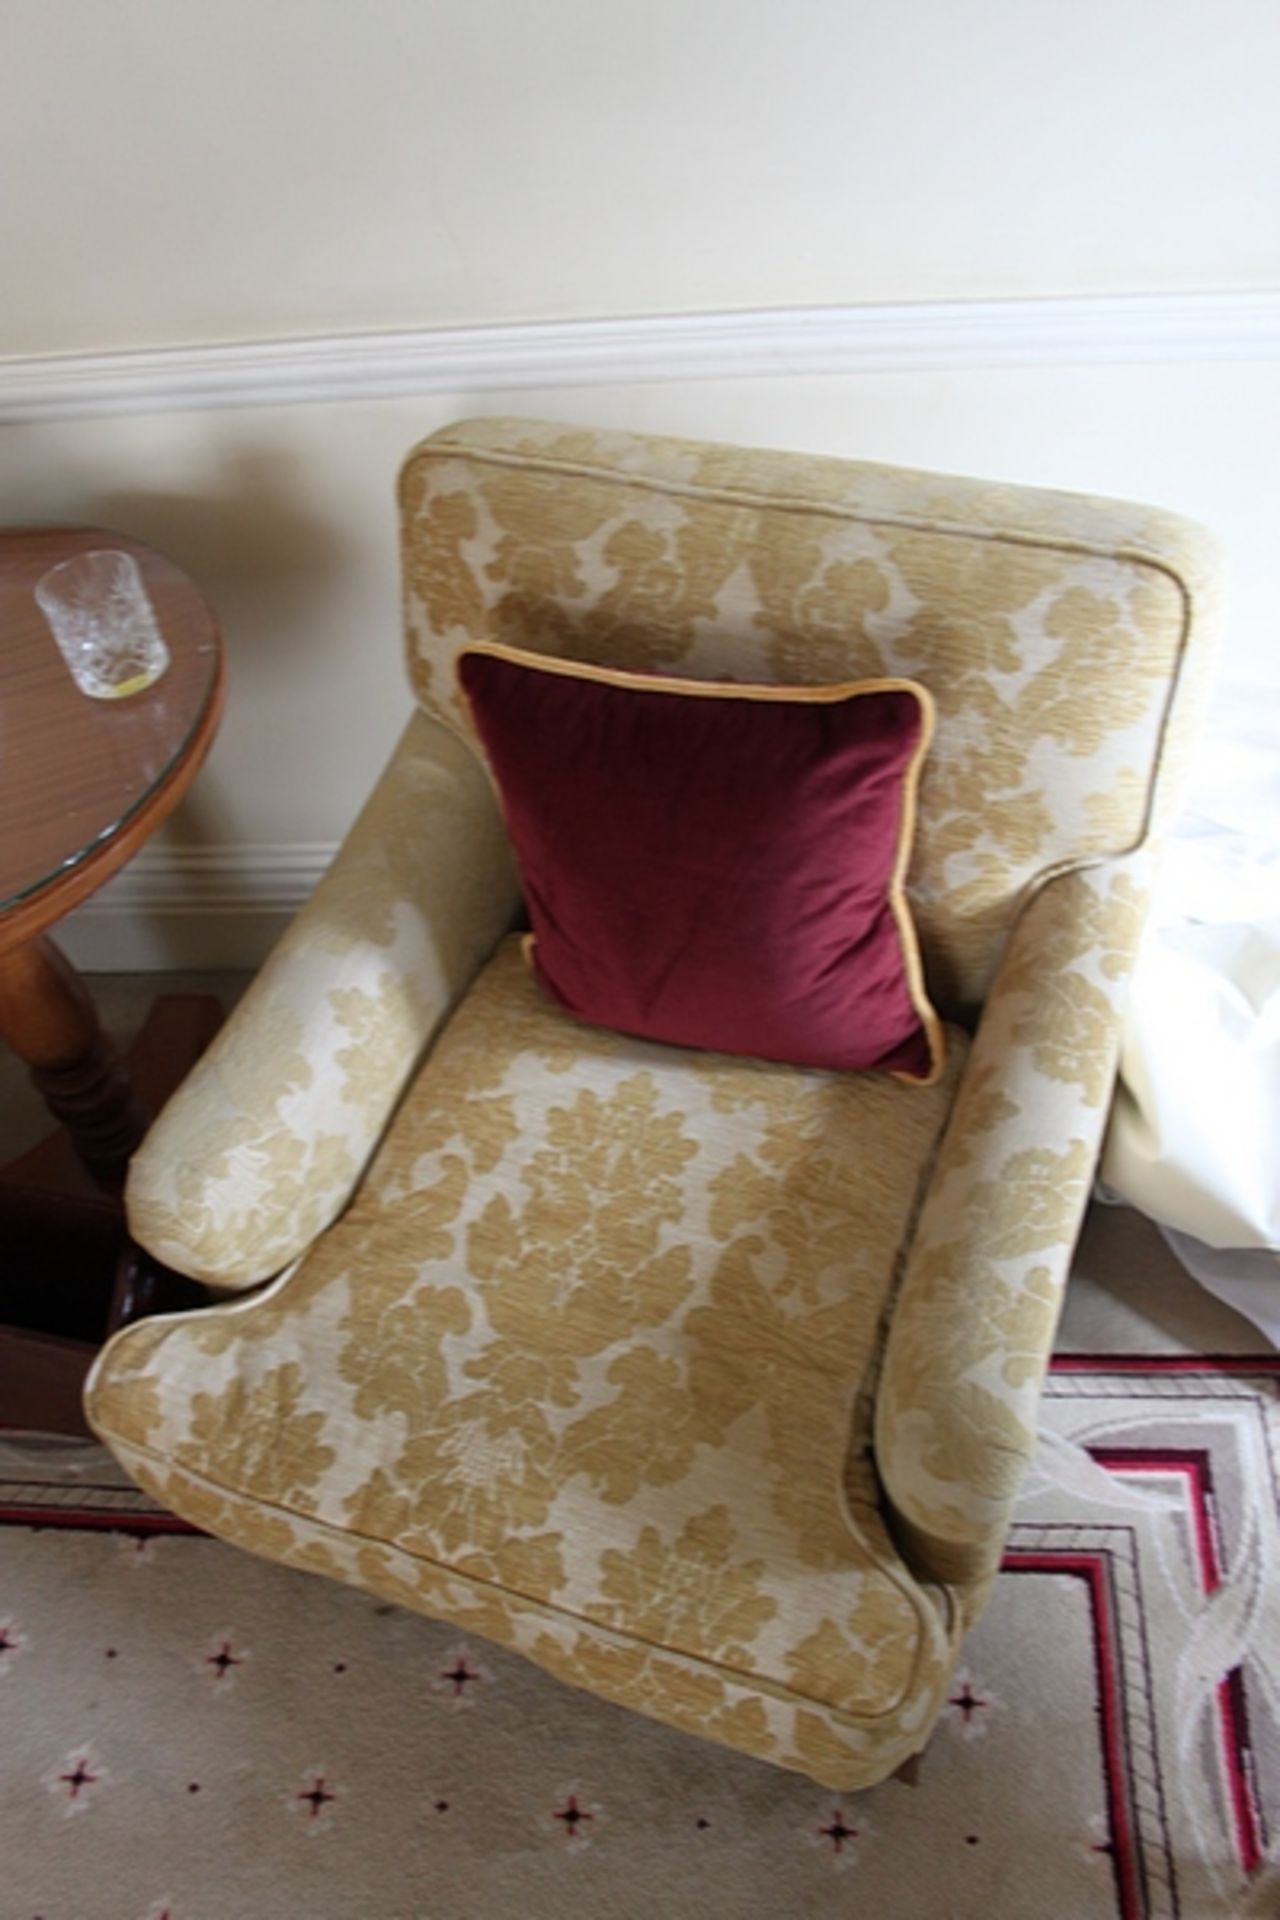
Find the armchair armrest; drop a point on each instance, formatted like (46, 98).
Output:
(263, 1144)
(973, 1325)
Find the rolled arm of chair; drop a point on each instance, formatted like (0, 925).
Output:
(263, 1144)
(973, 1325)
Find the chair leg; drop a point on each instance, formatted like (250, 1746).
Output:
(909, 1771)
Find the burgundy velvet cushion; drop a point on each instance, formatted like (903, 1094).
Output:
(715, 865)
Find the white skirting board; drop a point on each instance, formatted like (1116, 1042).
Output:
(178, 909)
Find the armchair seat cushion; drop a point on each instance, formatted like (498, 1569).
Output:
(587, 1367)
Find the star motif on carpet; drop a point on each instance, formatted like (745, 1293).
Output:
(574, 1818)
(461, 1678)
(137, 1548)
(12, 1642)
(223, 1662)
(969, 1707)
(837, 1832)
(1097, 1840)
(75, 1779)
(572, 1815)
(314, 1801)
(317, 1796)
(836, 1837)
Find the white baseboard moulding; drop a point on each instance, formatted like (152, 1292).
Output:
(179, 909)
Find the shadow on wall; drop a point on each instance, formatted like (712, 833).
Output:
(262, 561)
(259, 557)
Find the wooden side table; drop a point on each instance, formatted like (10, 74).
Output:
(83, 783)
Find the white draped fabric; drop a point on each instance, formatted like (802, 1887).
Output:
(1195, 1134)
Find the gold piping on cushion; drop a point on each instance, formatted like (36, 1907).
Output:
(778, 695)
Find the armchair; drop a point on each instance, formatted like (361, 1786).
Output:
(705, 1382)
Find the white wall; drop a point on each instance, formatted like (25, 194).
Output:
(193, 173)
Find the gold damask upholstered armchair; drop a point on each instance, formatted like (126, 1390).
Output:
(706, 1383)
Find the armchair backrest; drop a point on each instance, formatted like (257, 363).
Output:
(1061, 636)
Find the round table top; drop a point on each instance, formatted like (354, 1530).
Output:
(84, 781)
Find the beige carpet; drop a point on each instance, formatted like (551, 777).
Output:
(190, 1734)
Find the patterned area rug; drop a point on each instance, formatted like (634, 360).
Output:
(190, 1734)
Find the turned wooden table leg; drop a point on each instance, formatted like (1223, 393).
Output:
(49, 1020)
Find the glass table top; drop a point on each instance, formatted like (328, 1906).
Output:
(74, 770)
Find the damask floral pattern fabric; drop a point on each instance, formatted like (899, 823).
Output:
(1046, 626)
(593, 1347)
(706, 1384)
(268, 1136)
(982, 1291)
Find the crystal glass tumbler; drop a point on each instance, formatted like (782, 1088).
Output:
(104, 624)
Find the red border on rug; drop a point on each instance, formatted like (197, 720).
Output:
(1092, 1569)
(95, 1518)
(1192, 1466)
(1232, 1363)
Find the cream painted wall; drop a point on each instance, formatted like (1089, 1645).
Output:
(193, 173)
(187, 170)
